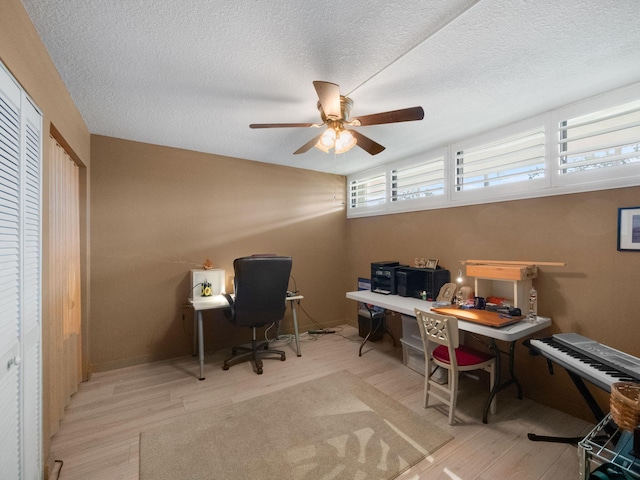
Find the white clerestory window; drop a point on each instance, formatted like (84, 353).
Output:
(589, 145)
(514, 159)
(604, 139)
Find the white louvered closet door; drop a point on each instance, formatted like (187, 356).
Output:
(20, 284)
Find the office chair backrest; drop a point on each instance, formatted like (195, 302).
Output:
(260, 289)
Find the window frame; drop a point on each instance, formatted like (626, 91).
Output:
(410, 205)
(600, 178)
(364, 176)
(506, 191)
(435, 201)
(553, 183)
(434, 164)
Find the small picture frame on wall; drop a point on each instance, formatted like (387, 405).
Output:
(432, 263)
(629, 229)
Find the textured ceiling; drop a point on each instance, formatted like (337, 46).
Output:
(194, 74)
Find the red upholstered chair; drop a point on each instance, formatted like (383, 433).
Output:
(449, 354)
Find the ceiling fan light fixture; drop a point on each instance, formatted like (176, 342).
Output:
(319, 146)
(327, 140)
(345, 141)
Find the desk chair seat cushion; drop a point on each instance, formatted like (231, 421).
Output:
(466, 356)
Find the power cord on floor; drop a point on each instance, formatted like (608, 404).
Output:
(308, 336)
(317, 324)
(321, 330)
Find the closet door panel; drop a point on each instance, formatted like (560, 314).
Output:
(9, 418)
(10, 270)
(31, 409)
(20, 284)
(31, 296)
(9, 213)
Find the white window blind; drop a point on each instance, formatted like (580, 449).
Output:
(518, 158)
(368, 192)
(418, 181)
(603, 139)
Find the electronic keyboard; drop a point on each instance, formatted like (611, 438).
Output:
(593, 361)
(586, 359)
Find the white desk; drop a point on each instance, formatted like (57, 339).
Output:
(219, 301)
(407, 305)
(293, 301)
(510, 333)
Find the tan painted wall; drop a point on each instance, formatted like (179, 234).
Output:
(594, 295)
(157, 212)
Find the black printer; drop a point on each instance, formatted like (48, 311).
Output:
(383, 277)
(412, 281)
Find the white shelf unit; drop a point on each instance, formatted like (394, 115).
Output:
(214, 276)
(607, 443)
(413, 349)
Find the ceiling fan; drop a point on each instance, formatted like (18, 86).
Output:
(334, 112)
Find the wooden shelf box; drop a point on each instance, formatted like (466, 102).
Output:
(507, 281)
(503, 272)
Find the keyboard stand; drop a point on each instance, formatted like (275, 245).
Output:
(593, 405)
(586, 394)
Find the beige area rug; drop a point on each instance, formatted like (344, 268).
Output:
(334, 427)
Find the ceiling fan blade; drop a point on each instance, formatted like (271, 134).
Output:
(280, 125)
(395, 116)
(367, 144)
(307, 146)
(329, 96)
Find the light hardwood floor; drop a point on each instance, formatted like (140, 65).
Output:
(98, 437)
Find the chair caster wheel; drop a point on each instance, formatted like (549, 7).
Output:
(283, 358)
(225, 367)
(259, 371)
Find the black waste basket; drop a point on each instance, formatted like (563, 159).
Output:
(367, 324)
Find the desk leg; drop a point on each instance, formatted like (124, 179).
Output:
(512, 372)
(195, 333)
(295, 327)
(371, 330)
(501, 386)
(200, 345)
(382, 324)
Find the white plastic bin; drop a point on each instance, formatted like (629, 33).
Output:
(413, 350)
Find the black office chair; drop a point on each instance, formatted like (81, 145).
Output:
(260, 291)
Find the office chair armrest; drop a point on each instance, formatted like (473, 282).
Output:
(229, 312)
